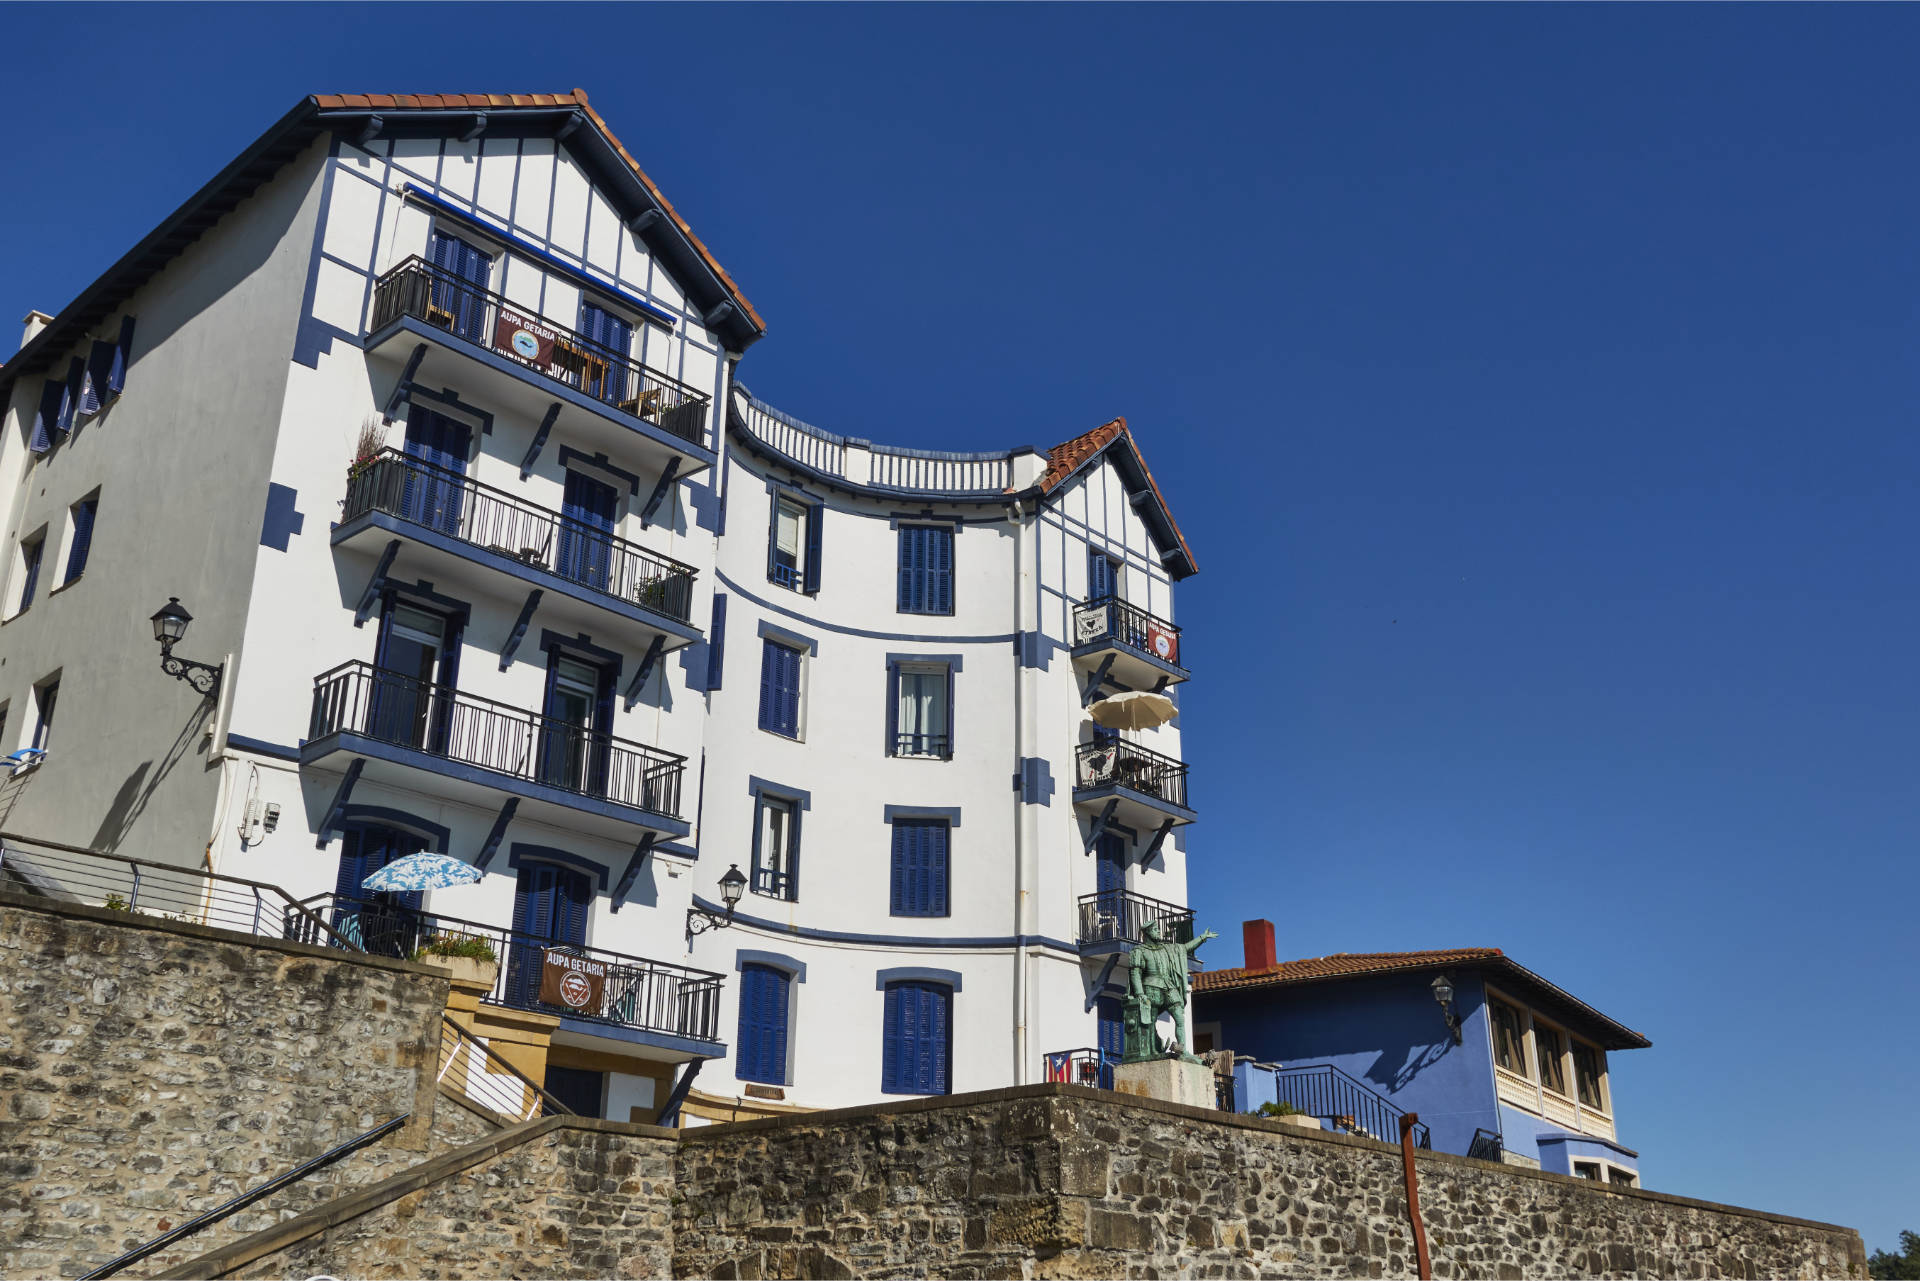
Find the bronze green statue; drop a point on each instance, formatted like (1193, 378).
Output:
(1156, 983)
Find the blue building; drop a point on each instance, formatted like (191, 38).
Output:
(1497, 1061)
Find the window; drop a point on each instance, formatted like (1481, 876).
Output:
(926, 569)
(780, 689)
(82, 537)
(717, 642)
(1103, 575)
(920, 875)
(793, 544)
(575, 749)
(1550, 1047)
(1620, 1177)
(589, 510)
(607, 378)
(1587, 1170)
(31, 551)
(1588, 1067)
(385, 924)
(762, 1052)
(918, 1038)
(44, 698)
(776, 848)
(920, 709)
(550, 905)
(457, 299)
(1509, 1050)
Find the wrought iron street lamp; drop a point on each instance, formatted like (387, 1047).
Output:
(1443, 993)
(169, 627)
(699, 920)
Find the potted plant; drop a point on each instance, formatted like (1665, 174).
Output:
(1287, 1114)
(367, 448)
(467, 958)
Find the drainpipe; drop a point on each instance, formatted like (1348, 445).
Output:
(1407, 1122)
(1017, 515)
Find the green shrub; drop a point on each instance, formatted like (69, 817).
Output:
(1279, 1109)
(471, 946)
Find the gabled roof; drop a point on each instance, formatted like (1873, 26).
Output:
(1069, 458)
(559, 114)
(1349, 965)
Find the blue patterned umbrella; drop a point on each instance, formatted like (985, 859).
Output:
(422, 872)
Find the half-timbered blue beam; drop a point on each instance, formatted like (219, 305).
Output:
(418, 354)
(519, 632)
(659, 492)
(497, 834)
(645, 670)
(1159, 839)
(1100, 824)
(632, 874)
(539, 440)
(339, 805)
(1094, 681)
(671, 1108)
(371, 596)
(1100, 984)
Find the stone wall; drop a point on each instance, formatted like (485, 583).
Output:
(150, 1070)
(1064, 1181)
(561, 1197)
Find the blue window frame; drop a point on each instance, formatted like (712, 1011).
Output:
(793, 543)
(384, 923)
(83, 512)
(614, 337)
(589, 509)
(45, 697)
(920, 710)
(1103, 575)
(47, 415)
(550, 904)
(433, 494)
(780, 689)
(761, 1048)
(717, 642)
(926, 569)
(917, 1044)
(776, 846)
(70, 394)
(31, 552)
(576, 723)
(920, 866)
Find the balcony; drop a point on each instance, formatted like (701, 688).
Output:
(1131, 784)
(1137, 649)
(459, 530)
(413, 734)
(654, 1003)
(519, 359)
(1114, 920)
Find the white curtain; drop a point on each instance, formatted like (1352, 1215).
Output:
(923, 703)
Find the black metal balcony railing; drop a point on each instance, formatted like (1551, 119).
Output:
(1118, 763)
(419, 289)
(1121, 916)
(935, 745)
(360, 698)
(1325, 1092)
(1111, 619)
(451, 504)
(1083, 1066)
(635, 992)
(773, 883)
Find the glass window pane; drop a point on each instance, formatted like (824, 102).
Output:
(790, 530)
(1547, 1048)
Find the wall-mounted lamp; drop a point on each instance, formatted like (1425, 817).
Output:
(169, 626)
(1443, 993)
(699, 920)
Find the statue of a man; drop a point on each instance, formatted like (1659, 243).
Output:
(1157, 981)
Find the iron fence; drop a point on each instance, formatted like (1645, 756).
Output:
(360, 698)
(1084, 1066)
(1111, 619)
(1121, 916)
(1325, 1092)
(1116, 762)
(419, 289)
(454, 505)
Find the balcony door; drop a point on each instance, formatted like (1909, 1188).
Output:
(416, 665)
(433, 492)
(386, 924)
(587, 516)
(457, 300)
(577, 717)
(607, 378)
(550, 906)
(1111, 1038)
(1110, 873)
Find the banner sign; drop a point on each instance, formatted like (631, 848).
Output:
(519, 336)
(1164, 644)
(572, 982)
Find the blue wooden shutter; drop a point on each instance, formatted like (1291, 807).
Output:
(916, 1046)
(1099, 575)
(779, 688)
(913, 569)
(1111, 864)
(940, 570)
(763, 1024)
(905, 854)
(70, 394)
(790, 691)
(82, 538)
(893, 709)
(815, 519)
(1112, 1035)
(48, 415)
(717, 642)
(769, 685)
(587, 508)
(122, 356)
(93, 386)
(920, 874)
(892, 1037)
(953, 716)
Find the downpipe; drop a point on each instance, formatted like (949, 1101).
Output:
(1017, 515)
(1407, 1121)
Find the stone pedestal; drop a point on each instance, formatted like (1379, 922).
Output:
(1169, 1080)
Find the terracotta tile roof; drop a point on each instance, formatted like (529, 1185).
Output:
(1068, 457)
(1339, 965)
(577, 98)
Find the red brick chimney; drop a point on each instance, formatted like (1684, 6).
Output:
(1256, 938)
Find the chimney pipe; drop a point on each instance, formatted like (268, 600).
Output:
(1256, 940)
(35, 322)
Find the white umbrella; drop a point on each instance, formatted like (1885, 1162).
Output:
(1134, 709)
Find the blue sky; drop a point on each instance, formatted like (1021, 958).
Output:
(1535, 385)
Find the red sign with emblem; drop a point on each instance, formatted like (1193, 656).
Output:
(1164, 642)
(524, 338)
(572, 982)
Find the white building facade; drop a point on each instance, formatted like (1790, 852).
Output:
(426, 409)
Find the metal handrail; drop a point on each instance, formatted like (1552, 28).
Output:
(234, 1205)
(1133, 766)
(1110, 618)
(360, 698)
(418, 288)
(497, 1066)
(637, 991)
(1114, 916)
(450, 503)
(1328, 1094)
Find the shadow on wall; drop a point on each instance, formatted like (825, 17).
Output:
(139, 786)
